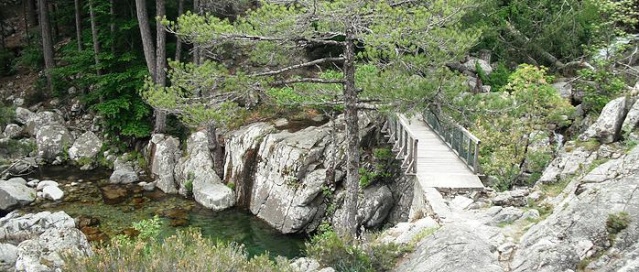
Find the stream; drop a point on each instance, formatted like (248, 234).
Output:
(88, 194)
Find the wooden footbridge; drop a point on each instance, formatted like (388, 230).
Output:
(442, 155)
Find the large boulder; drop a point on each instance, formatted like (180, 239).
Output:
(608, 126)
(195, 172)
(44, 253)
(8, 257)
(12, 131)
(567, 164)
(241, 153)
(578, 231)
(85, 148)
(631, 122)
(52, 141)
(288, 188)
(44, 118)
(472, 63)
(374, 207)
(454, 247)
(165, 152)
(15, 228)
(14, 195)
(23, 115)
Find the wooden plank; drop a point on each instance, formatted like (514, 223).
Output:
(437, 165)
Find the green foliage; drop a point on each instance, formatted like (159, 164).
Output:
(421, 235)
(507, 122)
(189, 95)
(185, 251)
(148, 228)
(391, 67)
(554, 189)
(558, 27)
(31, 57)
(617, 222)
(6, 115)
(382, 169)
(347, 254)
(110, 88)
(188, 184)
(13, 148)
(497, 79)
(600, 87)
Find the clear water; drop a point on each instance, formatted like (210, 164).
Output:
(233, 225)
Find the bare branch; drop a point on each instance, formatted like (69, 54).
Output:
(299, 40)
(308, 80)
(297, 66)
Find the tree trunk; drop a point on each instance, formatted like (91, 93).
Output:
(160, 58)
(178, 43)
(215, 148)
(352, 137)
(94, 36)
(196, 48)
(30, 14)
(47, 42)
(78, 23)
(145, 33)
(55, 27)
(112, 25)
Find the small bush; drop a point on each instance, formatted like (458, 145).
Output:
(617, 222)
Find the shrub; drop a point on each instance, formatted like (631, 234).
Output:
(617, 222)
(187, 250)
(6, 115)
(349, 254)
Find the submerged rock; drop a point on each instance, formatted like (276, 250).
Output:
(114, 194)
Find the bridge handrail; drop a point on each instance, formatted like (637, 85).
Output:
(404, 142)
(461, 141)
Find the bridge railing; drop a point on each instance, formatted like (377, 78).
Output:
(404, 143)
(461, 141)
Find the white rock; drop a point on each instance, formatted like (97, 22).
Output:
(18, 180)
(8, 256)
(46, 183)
(53, 192)
(14, 195)
(460, 202)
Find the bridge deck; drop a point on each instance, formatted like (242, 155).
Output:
(437, 165)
